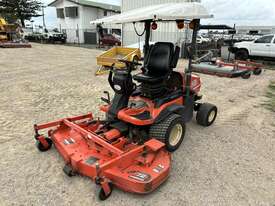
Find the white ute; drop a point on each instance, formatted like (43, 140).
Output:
(262, 47)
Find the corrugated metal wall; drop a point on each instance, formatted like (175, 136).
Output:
(165, 32)
(133, 4)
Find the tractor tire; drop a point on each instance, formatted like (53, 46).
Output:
(246, 75)
(257, 71)
(170, 131)
(242, 54)
(43, 148)
(206, 114)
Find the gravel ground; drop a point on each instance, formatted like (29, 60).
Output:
(230, 163)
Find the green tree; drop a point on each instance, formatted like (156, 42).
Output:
(23, 10)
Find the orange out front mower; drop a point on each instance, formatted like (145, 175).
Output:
(145, 122)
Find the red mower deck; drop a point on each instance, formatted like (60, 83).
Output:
(128, 166)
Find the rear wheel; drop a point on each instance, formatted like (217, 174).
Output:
(257, 71)
(242, 54)
(206, 114)
(171, 131)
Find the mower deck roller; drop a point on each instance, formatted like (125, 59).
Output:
(130, 167)
(146, 118)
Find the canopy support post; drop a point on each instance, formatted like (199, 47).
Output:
(192, 51)
(147, 25)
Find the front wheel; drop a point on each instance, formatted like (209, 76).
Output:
(170, 131)
(206, 114)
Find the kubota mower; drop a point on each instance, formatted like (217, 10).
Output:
(130, 149)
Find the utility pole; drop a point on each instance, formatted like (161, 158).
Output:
(32, 21)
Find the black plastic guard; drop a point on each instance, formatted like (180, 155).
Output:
(188, 109)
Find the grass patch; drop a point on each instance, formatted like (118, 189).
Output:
(270, 94)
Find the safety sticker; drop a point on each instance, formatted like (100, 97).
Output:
(69, 141)
(158, 169)
(140, 176)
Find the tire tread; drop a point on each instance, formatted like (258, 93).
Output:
(158, 131)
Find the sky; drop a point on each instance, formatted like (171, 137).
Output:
(244, 12)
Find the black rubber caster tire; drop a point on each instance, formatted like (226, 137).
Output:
(69, 171)
(101, 194)
(41, 147)
(170, 131)
(206, 114)
(257, 71)
(246, 75)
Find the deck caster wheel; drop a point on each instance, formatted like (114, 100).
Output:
(43, 144)
(257, 71)
(170, 131)
(69, 171)
(246, 75)
(101, 194)
(206, 114)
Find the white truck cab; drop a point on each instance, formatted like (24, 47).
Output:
(262, 47)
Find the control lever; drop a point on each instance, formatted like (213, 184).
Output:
(108, 99)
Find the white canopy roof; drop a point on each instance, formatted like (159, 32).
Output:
(165, 12)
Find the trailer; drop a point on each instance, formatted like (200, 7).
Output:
(111, 57)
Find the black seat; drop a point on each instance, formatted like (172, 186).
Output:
(159, 63)
(158, 66)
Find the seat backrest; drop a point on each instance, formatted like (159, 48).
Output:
(160, 58)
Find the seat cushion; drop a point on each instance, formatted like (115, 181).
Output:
(148, 78)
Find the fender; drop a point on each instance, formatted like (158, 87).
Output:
(172, 109)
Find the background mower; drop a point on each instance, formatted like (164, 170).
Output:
(234, 69)
(131, 148)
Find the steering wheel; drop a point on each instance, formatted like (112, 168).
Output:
(129, 66)
(125, 79)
